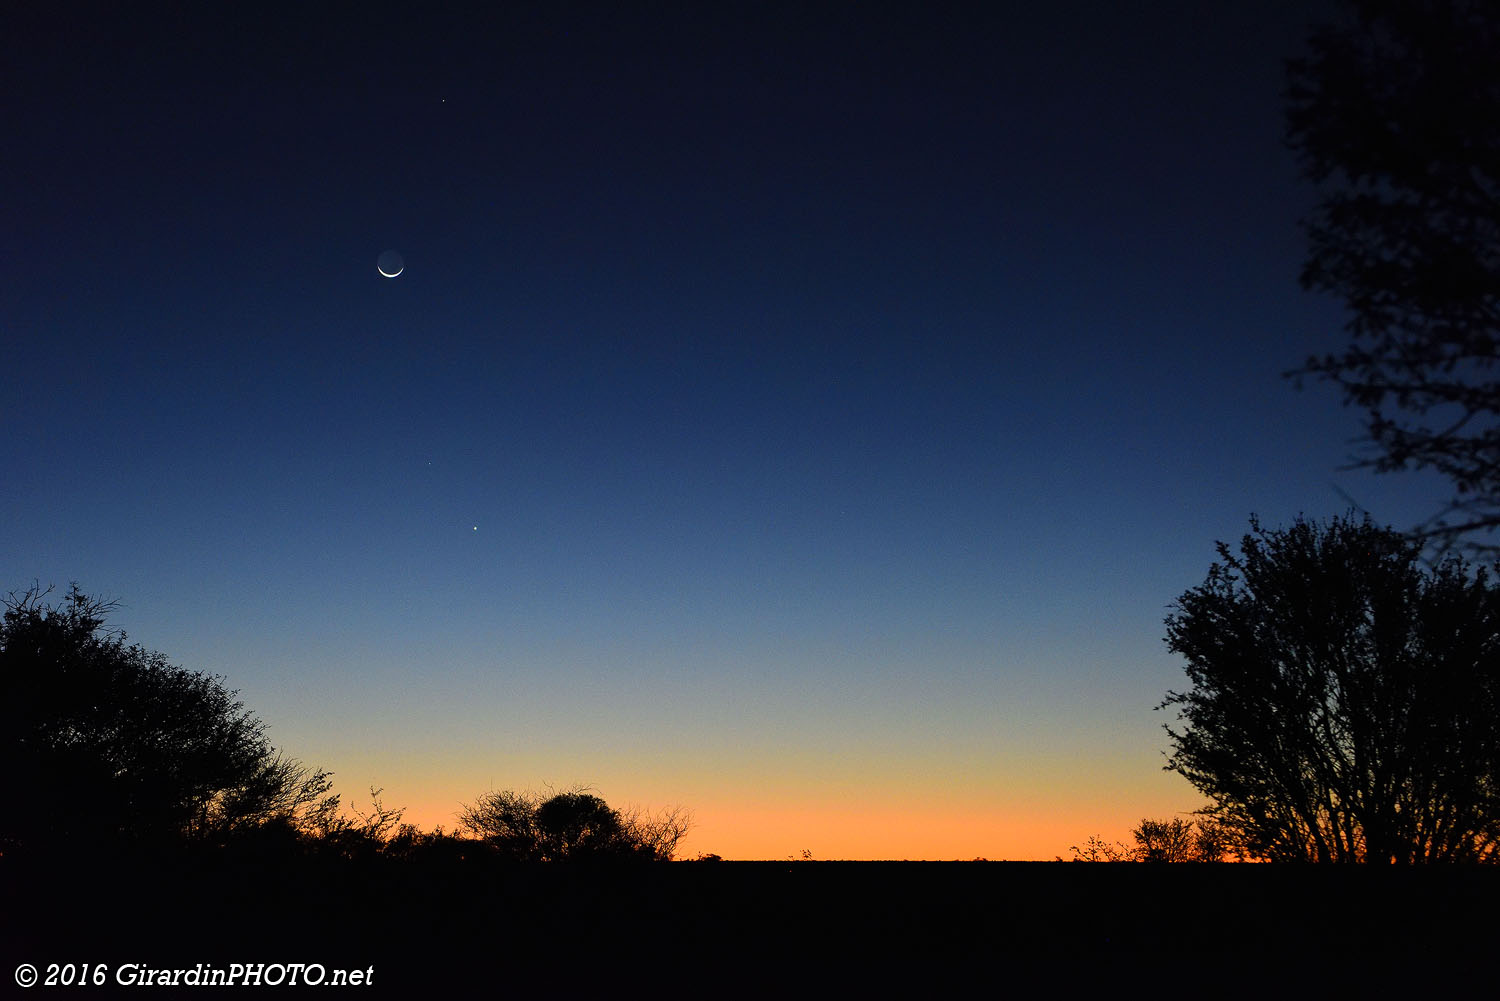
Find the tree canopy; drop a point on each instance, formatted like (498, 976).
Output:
(1395, 115)
(101, 742)
(1345, 699)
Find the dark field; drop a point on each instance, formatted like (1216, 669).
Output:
(742, 928)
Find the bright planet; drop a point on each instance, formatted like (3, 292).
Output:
(389, 264)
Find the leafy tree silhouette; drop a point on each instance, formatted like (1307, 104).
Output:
(577, 825)
(1346, 701)
(106, 743)
(1396, 116)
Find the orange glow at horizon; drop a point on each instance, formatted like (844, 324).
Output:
(770, 832)
(1026, 797)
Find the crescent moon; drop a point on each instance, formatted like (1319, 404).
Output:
(390, 264)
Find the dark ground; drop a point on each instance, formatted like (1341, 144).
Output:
(750, 928)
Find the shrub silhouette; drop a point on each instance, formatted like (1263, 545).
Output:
(1179, 840)
(1174, 840)
(569, 826)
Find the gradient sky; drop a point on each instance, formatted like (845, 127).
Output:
(802, 414)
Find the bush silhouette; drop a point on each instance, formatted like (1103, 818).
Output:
(569, 826)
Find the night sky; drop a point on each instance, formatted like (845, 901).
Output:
(803, 414)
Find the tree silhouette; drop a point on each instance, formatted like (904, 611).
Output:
(1346, 701)
(1396, 116)
(106, 743)
(570, 826)
(578, 825)
(1164, 840)
(1179, 840)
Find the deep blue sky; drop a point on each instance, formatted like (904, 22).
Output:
(802, 410)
